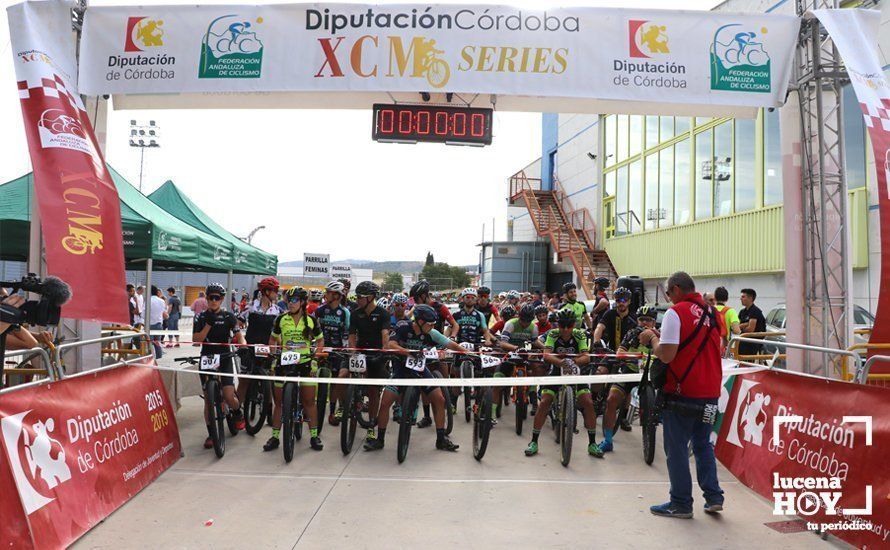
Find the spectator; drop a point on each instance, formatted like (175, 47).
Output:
(131, 303)
(536, 298)
(174, 312)
(139, 315)
(158, 314)
(751, 319)
(199, 306)
(691, 392)
(709, 299)
(727, 317)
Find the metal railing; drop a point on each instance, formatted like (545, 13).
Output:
(863, 374)
(520, 182)
(857, 360)
(733, 347)
(63, 348)
(48, 369)
(859, 348)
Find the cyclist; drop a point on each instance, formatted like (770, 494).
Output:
(295, 330)
(214, 328)
(347, 284)
(619, 394)
(259, 316)
(399, 309)
(513, 297)
(471, 327)
(542, 316)
(485, 306)
(236, 29)
(615, 323)
(416, 335)
(517, 331)
(334, 320)
(421, 294)
(566, 347)
(369, 329)
(507, 312)
(600, 285)
(315, 296)
(570, 290)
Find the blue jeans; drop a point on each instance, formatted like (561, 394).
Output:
(679, 429)
(156, 340)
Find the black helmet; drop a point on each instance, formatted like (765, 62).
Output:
(602, 282)
(621, 292)
(541, 309)
(425, 313)
(647, 311)
(553, 316)
(296, 292)
(508, 312)
(527, 313)
(566, 318)
(419, 288)
(484, 290)
(569, 286)
(215, 288)
(367, 288)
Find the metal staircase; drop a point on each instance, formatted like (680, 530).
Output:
(571, 231)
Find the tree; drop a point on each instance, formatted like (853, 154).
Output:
(393, 282)
(429, 259)
(442, 276)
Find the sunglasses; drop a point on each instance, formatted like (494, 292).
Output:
(293, 300)
(214, 298)
(621, 301)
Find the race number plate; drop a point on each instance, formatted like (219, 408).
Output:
(489, 362)
(289, 358)
(467, 346)
(416, 363)
(261, 351)
(431, 354)
(513, 356)
(635, 398)
(358, 363)
(209, 362)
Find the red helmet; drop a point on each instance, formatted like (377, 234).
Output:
(269, 283)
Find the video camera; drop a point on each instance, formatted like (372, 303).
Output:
(53, 291)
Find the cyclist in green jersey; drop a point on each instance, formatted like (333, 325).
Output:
(619, 394)
(566, 348)
(297, 331)
(517, 331)
(572, 304)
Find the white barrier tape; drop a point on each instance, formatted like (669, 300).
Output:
(451, 382)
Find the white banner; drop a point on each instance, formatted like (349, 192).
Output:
(316, 265)
(341, 272)
(706, 58)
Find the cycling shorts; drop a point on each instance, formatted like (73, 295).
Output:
(303, 369)
(580, 389)
(226, 364)
(401, 371)
(626, 387)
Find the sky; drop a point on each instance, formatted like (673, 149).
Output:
(315, 178)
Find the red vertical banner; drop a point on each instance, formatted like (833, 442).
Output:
(78, 202)
(855, 33)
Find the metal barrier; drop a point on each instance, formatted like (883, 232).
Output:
(841, 352)
(845, 372)
(733, 347)
(862, 376)
(71, 345)
(49, 371)
(144, 347)
(84, 373)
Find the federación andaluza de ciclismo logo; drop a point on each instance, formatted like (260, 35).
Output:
(231, 48)
(739, 62)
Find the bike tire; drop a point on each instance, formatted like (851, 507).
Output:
(288, 405)
(449, 414)
(466, 371)
(521, 411)
(482, 422)
(649, 421)
(409, 408)
(217, 424)
(349, 422)
(567, 425)
(255, 405)
(321, 398)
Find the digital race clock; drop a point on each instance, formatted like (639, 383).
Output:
(433, 123)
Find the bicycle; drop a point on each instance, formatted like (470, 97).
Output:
(650, 413)
(465, 367)
(220, 412)
(446, 391)
(410, 398)
(355, 401)
(291, 407)
(520, 393)
(482, 420)
(566, 414)
(258, 398)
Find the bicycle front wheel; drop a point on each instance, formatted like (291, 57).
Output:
(409, 413)
(288, 422)
(349, 421)
(649, 421)
(521, 408)
(466, 371)
(217, 417)
(567, 424)
(482, 422)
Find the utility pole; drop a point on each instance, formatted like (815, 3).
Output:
(142, 136)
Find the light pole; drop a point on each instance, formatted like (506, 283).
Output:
(253, 232)
(142, 136)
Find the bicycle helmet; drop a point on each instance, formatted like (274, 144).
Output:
(468, 292)
(484, 290)
(399, 299)
(513, 295)
(508, 312)
(215, 288)
(621, 293)
(527, 313)
(367, 288)
(566, 318)
(296, 292)
(601, 282)
(568, 286)
(347, 284)
(553, 317)
(382, 302)
(315, 295)
(425, 313)
(541, 309)
(502, 295)
(419, 288)
(269, 283)
(335, 286)
(647, 311)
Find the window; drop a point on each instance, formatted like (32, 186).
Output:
(704, 169)
(652, 206)
(610, 140)
(651, 131)
(779, 318)
(702, 120)
(721, 176)
(854, 140)
(610, 184)
(666, 187)
(621, 225)
(667, 127)
(682, 159)
(622, 139)
(682, 125)
(772, 148)
(636, 135)
(635, 212)
(745, 178)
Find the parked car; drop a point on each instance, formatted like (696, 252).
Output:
(775, 322)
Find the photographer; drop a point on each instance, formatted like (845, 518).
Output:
(14, 301)
(690, 345)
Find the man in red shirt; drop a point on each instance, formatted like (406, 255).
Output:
(690, 344)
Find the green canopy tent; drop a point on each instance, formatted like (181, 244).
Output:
(246, 258)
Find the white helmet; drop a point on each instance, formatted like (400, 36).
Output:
(502, 295)
(468, 292)
(513, 295)
(383, 303)
(399, 299)
(315, 294)
(335, 286)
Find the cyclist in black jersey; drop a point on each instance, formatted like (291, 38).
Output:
(485, 306)
(334, 319)
(369, 329)
(615, 323)
(259, 316)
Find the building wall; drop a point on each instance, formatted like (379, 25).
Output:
(512, 265)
